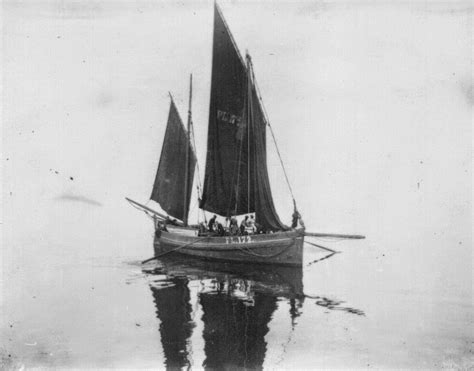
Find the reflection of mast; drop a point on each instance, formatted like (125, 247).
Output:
(234, 331)
(237, 301)
(174, 311)
(295, 306)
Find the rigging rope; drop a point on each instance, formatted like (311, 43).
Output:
(146, 212)
(321, 259)
(274, 139)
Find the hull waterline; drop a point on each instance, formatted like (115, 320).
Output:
(281, 248)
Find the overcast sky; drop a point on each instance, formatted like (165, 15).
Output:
(371, 104)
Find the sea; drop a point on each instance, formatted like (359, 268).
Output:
(75, 295)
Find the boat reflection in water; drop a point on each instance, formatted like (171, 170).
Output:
(236, 303)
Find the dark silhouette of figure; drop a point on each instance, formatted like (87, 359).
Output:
(243, 225)
(212, 223)
(220, 229)
(295, 217)
(234, 226)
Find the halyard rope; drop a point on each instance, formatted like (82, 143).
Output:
(274, 139)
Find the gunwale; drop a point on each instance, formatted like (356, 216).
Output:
(283, 247)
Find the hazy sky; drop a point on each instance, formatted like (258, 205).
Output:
(371, 104)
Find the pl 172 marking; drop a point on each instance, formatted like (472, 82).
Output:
(238, 239)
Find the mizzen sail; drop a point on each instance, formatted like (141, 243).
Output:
(171, 181)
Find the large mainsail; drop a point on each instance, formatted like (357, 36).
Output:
(236, 180)
(171, 181)
(226, 125)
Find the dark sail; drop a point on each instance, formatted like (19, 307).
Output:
(227, 128)
(265, 212)
(236, 180)
(170, 181)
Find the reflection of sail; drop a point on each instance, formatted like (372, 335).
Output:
(174, 311)
(234, 331)
(237, 302)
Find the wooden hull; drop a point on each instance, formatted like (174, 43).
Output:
(281, 248)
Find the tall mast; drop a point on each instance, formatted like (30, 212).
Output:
(188, 133)
(249, 121)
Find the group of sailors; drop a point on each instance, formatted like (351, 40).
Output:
(247, 226)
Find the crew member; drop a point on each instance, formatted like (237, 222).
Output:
(243, 224)
(220, 229)
(234, 226)
(212, 223)
(295, 218)
(251, 224)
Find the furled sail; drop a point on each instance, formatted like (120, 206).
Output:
(171, 181)
(236, 180)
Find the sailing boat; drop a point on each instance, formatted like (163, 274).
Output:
(236, 178)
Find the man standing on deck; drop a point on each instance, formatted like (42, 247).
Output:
(234, 226)
(251, 224)
(295, 218)
(243, 224)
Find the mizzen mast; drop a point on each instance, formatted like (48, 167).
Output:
(188, 134)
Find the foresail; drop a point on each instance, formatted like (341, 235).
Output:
(170, 181)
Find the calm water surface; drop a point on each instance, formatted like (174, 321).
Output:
(76, 295)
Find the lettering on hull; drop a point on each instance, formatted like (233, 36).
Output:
(238, 239)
